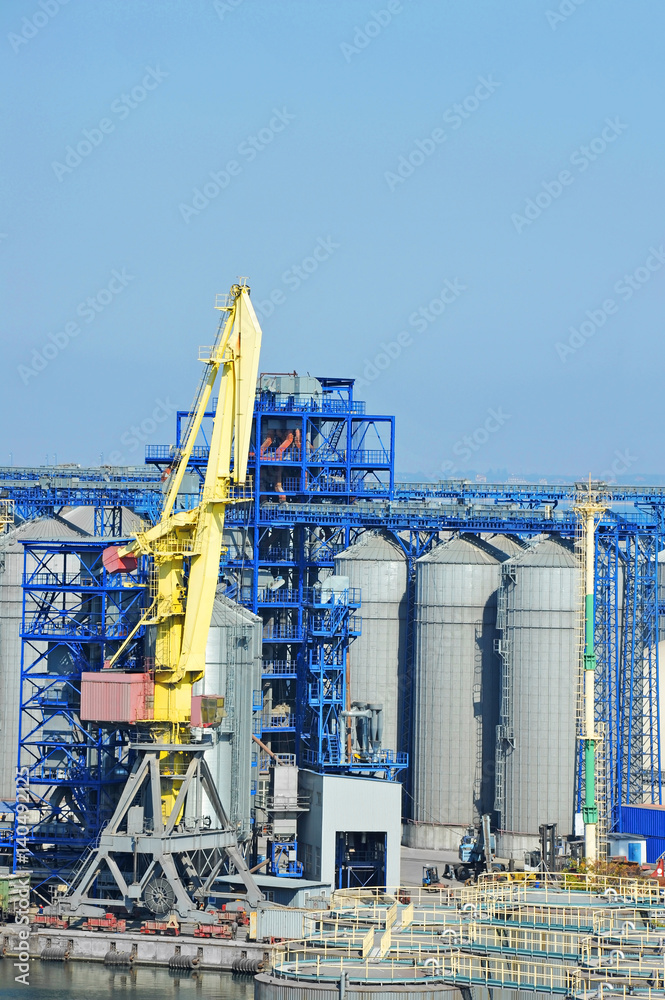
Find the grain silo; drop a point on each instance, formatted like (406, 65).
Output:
(454, 690)
(539, 619)
(378, 566)
(233, 670)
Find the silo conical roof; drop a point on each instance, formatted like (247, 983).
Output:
(504, 544)
(550, 553)
(227, 612)
(461, 551)
(374, 547)
(83, 517)
(43, 527)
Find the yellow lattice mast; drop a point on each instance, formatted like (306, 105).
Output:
(6, 515)
(186, 546)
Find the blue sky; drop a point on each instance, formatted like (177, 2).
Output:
(458, 203)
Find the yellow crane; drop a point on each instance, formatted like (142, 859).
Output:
(181, 609)
(148, 831)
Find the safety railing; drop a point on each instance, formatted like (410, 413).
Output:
(60, 580)
(563, 888)
(283, 402)
(584, 990)
(599, 950)
(283, 632)
(375, 456)
(613, 921)
(274, 720)
(278, 668)
(538, 915)
(391, 915)
(305, 966)
(523, 940)
(638, 970)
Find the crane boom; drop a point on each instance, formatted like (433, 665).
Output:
(182, 604)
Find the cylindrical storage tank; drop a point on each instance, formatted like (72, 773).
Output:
(454, 676)
(233, 670)
(539, 618)
(378, 566)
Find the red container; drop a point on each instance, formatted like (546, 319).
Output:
(114, 563)
(114, 696)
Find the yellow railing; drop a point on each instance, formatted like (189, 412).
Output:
(6, 515)
(391, 915)
(525, 939)
(304, 966)
(555, 889)
(606, 921)
(506, 972)
(581, 990)
(386, 939)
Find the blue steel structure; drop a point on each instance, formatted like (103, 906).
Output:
(46, 490)
(311, 448)
(324, 473)
(75, 614)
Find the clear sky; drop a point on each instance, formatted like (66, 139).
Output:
(458, 202)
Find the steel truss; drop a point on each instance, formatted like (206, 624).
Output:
(75, 615)
(326, 477)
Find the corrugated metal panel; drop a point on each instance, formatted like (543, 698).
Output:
(268, 988)
(233, 670)
(455, 687)
(112, 696)
(540, 641)
(648, 820)
(378, 567)
(84, 519)
(288, 922)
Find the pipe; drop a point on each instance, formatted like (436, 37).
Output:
(378, 725)
(589, 809)
(286, 443)
(267, 750)
(349, 734)
(267, 441)
(261, 865)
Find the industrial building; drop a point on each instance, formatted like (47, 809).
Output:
(396, 660)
